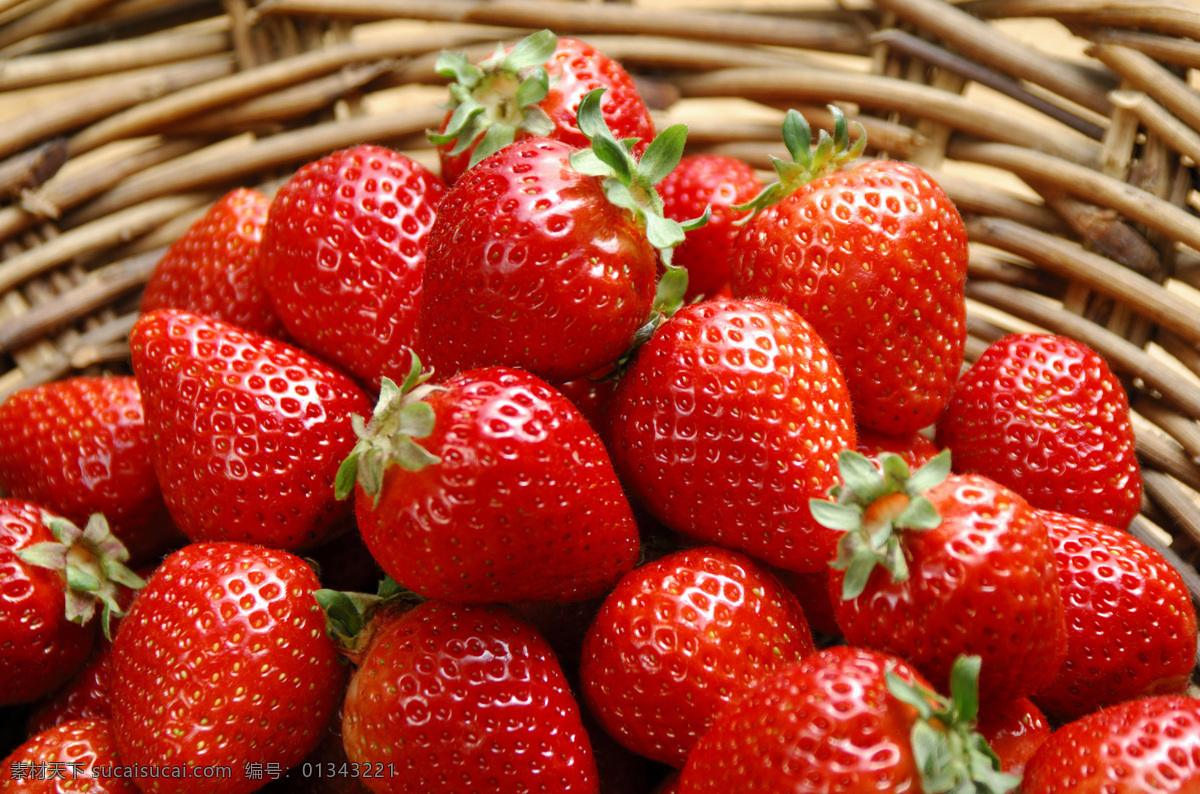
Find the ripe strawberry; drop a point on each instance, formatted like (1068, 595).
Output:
(543, 256)
(343, 253)
(54, 575)
(875, 258)
(720, 183)
(84, 696)
(79, 755)
(462, 490)
(223, 660)
(847, 719)
(1149, 744)
(247, 431)
(213, 267)
(1045, 416)
(1014, 729)
(80, 446)
(532, 90)
(728, 417)
(933, 566)
(455, 698)
(1131, 622)
(679, 639)
(913, 448)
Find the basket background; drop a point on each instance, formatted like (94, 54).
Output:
(1079, 191)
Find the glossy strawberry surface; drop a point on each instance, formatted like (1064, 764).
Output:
(875, 258)
(575, 69)
(213, 267)
(80, 446)
(522, 505)
(223, 660)
(982, 582)
(719, 183)
(679, 639)
(1044, 415)
(1014, 729)
(342, 257)
(524, 235)
(457, 698)
(77, 756)
(1131, 624)
(728, 420)
(39, 648)
(828, 724)
(247, 432)
(1150, 744)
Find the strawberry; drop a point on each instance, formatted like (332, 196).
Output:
(1044, 415)
(932, 566)
(80, 446)
(847, 719)
(1131, 621)
(55, 575)
(461, 490)
(213, 267)
(720, 183)
(543, 257)
(532, 90)
(875, 257)
(223, 660)
(84, 696)
(1014, 729)
(79, 755)
(455, 698)
(1149, 744)
(679, 639)
(913, 448)
(726, 419)
(247, 431)
(343, 253)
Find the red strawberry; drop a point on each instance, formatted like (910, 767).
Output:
(223, 660)
(1014, 729)
(729, 416)
(1131, 624)
(247, 431)
(932, 567)
(1045, 416)
(343, 253)
(79, 755)
(681, 638)
(913, 448)
(463, 490)
(80, 446)
(455, 698)
(532, 90)
(847, 719)
(54, 576)
(875, 258)
(543, 256)
(213, 267)
(1150, 744)
(719, 183)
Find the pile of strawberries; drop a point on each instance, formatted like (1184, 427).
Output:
(585, 466)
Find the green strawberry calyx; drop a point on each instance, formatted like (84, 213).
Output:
(950, 755)
(92, 560)
(350, 616)
(494, 100)
(869, 505)
(808, 162)
(388, 439)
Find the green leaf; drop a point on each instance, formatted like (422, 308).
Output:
(840, 517)
(462, 117)
(905, 692)
(860, 475)
(533, 89)
(416, 420)
(663, 232)
(456, 66)
(589, 117)
(669, 293)
(932, 474)
(663, 154)
(858, 573)
(587, 163)
(536, 121)
(964, 686)
(797, 138)
(695, 223)
(919, 514)
(347, 476)
(533, 50)
(496, 138)
(412, 456)
(47, 554)
(613, 154)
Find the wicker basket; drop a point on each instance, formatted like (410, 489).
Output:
(1074, 164)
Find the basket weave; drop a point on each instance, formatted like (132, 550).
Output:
(1074, 164)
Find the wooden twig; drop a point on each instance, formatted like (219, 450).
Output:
(1172, 17)
(55, 15)
(1168, 49)
(1146, 74)
(30, 169)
